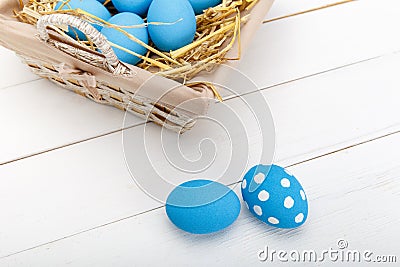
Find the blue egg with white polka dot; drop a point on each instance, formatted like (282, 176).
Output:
(275, 196)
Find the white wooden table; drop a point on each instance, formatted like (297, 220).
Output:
(332, 80)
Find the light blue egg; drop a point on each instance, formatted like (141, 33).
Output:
(176, 35)
(91, 6)
(139, 7)
(200, 5)
(117, 37)
(202, 206)
(275, 196)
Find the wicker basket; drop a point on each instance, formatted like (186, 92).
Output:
(102, 77)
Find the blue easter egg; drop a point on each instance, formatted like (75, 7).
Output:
(139, 7)
(182, 27)
(93, 7)
(275, 196)
(202, 206)
(200, 5)
(117, 37)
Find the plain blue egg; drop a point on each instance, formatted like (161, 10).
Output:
(176, 35)
(139, 7)
(200, 5)
(93, 7)
(275, 196)
(101, 1)
(202, 206)
(114, 36)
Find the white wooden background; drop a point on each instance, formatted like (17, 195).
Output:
(331, 78)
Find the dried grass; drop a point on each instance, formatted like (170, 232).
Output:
(218, 29)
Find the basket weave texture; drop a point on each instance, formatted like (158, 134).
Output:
(101, 76)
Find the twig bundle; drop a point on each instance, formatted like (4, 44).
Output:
(218, 29)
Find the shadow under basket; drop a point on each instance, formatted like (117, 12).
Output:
(101, 76)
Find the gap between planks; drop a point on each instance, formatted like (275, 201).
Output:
(372, 139)
(21, 83)
(308, 11)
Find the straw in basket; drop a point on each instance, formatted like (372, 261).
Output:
(158, 88)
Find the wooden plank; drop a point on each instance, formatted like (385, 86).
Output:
(282, 61)
(349, 200)
(12, 71)
(66, 191)
(343, 107)
(283, 8)
(299, 46)
(40, 116)
(73, 119)
(87, 185)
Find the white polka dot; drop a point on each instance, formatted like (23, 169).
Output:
(299, 218)
(247, 205)
(257, 209)
(259, 178)
(263, 195)
(244, 184)
(285, 182)
(273, 220)
(303, 195)
(288, 172)
(288, 203)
